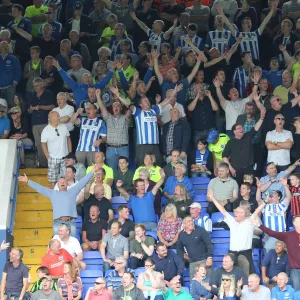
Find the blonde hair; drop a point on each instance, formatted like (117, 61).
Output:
(173, 208)
(221, 294)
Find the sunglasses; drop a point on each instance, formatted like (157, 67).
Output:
(56, 130)
(13, 113)
(226, 279)
(148, 266)
(98, 282)
(280, 119)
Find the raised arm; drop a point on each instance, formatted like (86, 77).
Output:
(154, 54)
(213, 103)
(268, 17)
(217, 84)
(233, 49)
(102, 107)
(39, 188)
(74, 119)
(261, 119)
(288, 195)
(201, 57)
(193, 104)
(108, 4)
(122, 191)
(168, 33)
(160, 182)
(210, 195)
(176, 90)
(220, 11)
(142, 25)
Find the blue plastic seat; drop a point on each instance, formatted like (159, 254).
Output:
(153, 234)
(79, 220)
(89, 276)
(220, 236)
(138, 271)
(92, 254)
(85, 289)
(28, 147)
(200, 180)
(117, 201)
(93, 261)
(220, 249)
(200, 198)
(94, 267)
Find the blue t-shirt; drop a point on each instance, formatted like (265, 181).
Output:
(168, 85)
(143, 208)
(275, 78)
(287, 294)
(4, 125)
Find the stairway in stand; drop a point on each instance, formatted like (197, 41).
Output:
(33, 221)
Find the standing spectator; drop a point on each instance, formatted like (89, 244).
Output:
(279, 142)
(39, 106)
(77, 70)
(99, 289)
(70, 285)
(246, 195)
(113, 245)
(246, 11)
(124, 174)
(56, 144)
(93, 230)
(65, 54)
(168, 262)
(117, 131)
(175, 159)
(142, 204)
(295, 150)
(224, 189)
(282, 290)
(295, 190)
(169, 226)
(98, 179)
(46, 292)
(254, 289)
(4, 123)
(36, 13)
(229, 7)
(291, 6)
(10, 74)
(201, 221)
(70, 160)
(180, 30)
(92, 134)
(141, 247)
(242, 143)
(15, 274)
(196, 242)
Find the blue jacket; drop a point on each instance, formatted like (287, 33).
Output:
(80, 90)
(197, 290)
(10, 70)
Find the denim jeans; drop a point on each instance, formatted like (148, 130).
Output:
(72, 224)
(113, 154)
(295, 277)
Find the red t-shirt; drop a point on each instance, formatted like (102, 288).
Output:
(55, 263)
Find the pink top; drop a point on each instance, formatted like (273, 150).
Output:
(94, 295)
(169, 229)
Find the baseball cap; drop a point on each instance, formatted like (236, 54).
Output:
(48, 278)
(15, 109)
(70, 155)
(195, 205)
(213, 135)
(77, 5)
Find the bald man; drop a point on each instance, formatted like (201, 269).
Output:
(56, 144)
(254, 290)
(283, 290)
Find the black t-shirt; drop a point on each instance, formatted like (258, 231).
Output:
(50, 47)
(94, 230)
(56, 86)
(104, 206)
(235, 147)
(127, 226)
(23, 129)
(252, 201)
(295, 151)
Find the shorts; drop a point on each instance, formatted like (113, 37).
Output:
(54, 168)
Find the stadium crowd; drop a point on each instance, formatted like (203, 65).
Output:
(139, 100)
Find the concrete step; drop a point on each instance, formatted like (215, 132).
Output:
(32, 198)
(33, 216)
(31, 243)
(34, 171)
(33, 224)
(33, 234)
(34, 207)
(36, 251)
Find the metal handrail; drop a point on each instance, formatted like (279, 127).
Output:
(13, 200)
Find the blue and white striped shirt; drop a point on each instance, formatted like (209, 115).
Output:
(241, 79)
(250, 42)
(274, 218)
(155, 39)
(196, 40)
(219, 39)
(90, 131)
(146, 125)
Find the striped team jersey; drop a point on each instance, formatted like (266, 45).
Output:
(295, 201)
(241, 79)
(155, 39)
(90, 131)
(196, 40)
(146, 125)
(218, 39)
(274, 218)
(250, 42)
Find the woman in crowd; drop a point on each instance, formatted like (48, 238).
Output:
(104, 57)
(145, 279)
(169, 226)
(70, 286)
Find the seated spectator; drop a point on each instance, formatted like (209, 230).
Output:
(152, 168)
(228, 268)
(282, 290)
(127, 225)
(167, 262)
(128, 287)
(178, 178)
(113, 245)
(253, 289)
(4, 123)
(65, 54)
(77, 70)
(274, 263)
(202, 165)
(99, 159)
(182, 201)
(205, 221)
(114, 279)
(175, 159)
(98, 199)
(42, 272)
(71, 244)
(194, 244)
(224, 189)
(169, 226)
(128, 65)
(70, 278)
(19, 131)
(144, 282)
(197, 287)
(55, 259)
(99, 289)
(124, 174)
(70, 160)
(46, 291)
(246, 195)
(104, 54)
(141, 247)
(99, 180)
(93, 230)
(142, 204)
(18, 101)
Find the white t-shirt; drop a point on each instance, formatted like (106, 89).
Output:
(263, 294)
(233, 109)
(72, 246)
(56, 140)
(241, 233)
(68, 110)
(76, 25)
(279, 157)
(165, 112)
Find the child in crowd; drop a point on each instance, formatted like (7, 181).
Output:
(41, 273)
